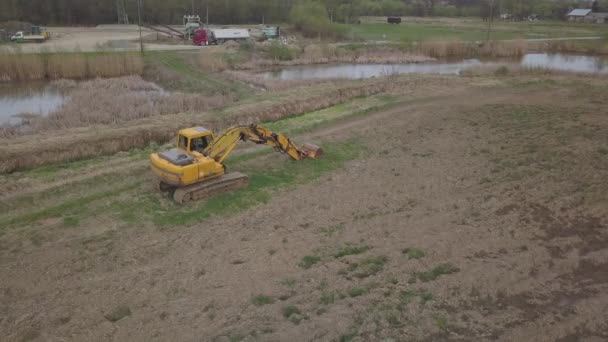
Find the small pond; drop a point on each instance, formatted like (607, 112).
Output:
(38, 98)
(586, 64)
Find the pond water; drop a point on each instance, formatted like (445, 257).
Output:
(38, 98)
(586, 64)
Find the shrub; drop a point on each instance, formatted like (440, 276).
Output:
(290, 310)
(260, 300)
(308, 261)
(351, 250)
(357, 291)
(311, 19)
(501, 71)
(278, 51)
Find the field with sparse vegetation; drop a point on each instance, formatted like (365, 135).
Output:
(465, 207)
(446, 207)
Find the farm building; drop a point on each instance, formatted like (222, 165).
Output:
(579, 15)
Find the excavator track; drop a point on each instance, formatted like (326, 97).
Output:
(229, 182)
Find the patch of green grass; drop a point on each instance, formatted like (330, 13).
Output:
(426, 297)
(289, 282)
(357, 291)
(351, 250)
(308, 261)
(367, 267)
(441, 322)
(78, 205)
(292, 313)
(118, 313)
(71, 221)
(413, 253)
(327, 298)
(407, 296)
(190, 77)
(261, 183)
(348, 337)
(469, 30)
(410, 32)
(331, 230)
(261, 299)
(437, 271)
(310, 121)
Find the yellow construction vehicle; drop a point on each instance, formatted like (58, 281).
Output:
(195, 169)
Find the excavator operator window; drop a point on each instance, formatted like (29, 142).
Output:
(182, 142)
(199, 144)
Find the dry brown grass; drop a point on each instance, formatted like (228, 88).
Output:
(460, 49)
(27, 67)
(268, 84)
(211, 61)
(328, 53)
(113, 101)
(512, 70)
(15, 67)
(592, 47)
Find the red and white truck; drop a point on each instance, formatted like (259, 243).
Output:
(218, 36)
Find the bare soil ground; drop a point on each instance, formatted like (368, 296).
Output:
(476, 212)
(91, 39)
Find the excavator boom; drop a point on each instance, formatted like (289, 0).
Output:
(222, 146)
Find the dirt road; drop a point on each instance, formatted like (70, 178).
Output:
(100, 38)
(477, 214)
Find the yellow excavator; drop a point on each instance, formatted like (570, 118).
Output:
(195, 169)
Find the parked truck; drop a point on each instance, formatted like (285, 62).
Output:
(20, 37)
(218, 36)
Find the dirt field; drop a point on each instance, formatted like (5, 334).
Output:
(475, 210)
(91, 39)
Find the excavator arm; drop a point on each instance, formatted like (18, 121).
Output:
(222, 146)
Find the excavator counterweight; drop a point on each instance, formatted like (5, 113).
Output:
(195, 168)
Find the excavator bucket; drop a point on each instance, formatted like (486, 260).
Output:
(312, 151)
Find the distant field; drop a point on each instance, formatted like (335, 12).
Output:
(420, 29)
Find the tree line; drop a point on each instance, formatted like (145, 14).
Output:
(92, 12)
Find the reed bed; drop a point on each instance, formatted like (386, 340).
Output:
(460, 49)
(28, 67)
(268, 84)
(588, 47)
(311, 54)
(113, 101)
(511, 70)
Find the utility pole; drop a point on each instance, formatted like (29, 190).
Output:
(141, 42)
(121, 11)
(207, 20)
(490, 20)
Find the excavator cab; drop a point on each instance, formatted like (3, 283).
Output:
(194, 139)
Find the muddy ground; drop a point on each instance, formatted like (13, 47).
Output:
(475, 212)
